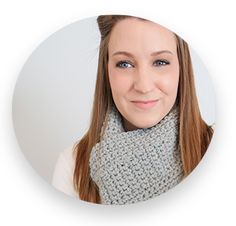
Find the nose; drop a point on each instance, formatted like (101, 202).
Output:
(143, 81)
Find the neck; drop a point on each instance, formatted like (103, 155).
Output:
(127, 125)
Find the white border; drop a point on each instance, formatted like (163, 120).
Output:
(206, 197)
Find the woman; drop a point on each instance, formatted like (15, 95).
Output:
(146, 132)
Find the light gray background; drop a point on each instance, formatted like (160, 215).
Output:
(54, 92)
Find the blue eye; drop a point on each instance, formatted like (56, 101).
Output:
(159, 63)
(124, 64)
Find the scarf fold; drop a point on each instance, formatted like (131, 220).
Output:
(136, 165)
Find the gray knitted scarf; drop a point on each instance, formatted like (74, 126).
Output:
(136, 165)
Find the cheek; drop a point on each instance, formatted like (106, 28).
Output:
(169, 83)
(120, 84)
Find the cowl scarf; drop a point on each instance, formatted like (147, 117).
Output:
(137, 165)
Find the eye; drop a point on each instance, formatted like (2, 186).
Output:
(124, 64)
(159, 63)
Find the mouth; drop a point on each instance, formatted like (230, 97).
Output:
(145, 104)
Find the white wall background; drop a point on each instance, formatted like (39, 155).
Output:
(205, 197)
(54, 92)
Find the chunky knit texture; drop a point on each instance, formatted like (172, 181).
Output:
(137, 165)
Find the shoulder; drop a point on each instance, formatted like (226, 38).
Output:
(67, 156)
(213, 126)
(63, 172)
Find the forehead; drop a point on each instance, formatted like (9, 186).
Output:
(136, 35)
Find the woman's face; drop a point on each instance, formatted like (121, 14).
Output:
(143, 71)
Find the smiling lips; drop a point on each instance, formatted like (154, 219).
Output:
(145, 104)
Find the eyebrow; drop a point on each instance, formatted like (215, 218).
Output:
(131, 55)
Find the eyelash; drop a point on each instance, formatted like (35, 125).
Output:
(119, 64)
(160, 63)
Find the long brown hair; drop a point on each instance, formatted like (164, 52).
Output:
(194, 134)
